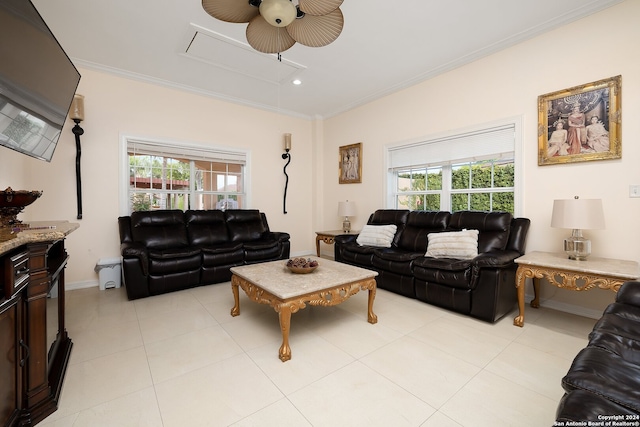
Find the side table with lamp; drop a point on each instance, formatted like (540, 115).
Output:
(575, 269)
(328, 237)
(345, 210)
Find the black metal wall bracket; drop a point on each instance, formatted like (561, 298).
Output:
(286, 183)
(77, 131)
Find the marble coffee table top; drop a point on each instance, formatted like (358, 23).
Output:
(275, 278)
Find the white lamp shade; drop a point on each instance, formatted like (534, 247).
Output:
(346, 208)
(585, 214)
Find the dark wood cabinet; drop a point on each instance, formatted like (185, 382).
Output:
(34, 344)
(10, 360)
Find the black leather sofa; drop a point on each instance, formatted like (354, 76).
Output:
(165, 251)
(603, 383)
(482, 287)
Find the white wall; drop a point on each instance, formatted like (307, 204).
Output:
(504, 85)
(13, 169)
(115, 106)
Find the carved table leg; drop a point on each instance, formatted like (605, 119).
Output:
(520, 279)
(318, 238)
(371, 317)
(285, 325)
(535, 302)
(236, 297)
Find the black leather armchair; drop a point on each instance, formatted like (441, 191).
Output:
(604, 378)
(165, 251)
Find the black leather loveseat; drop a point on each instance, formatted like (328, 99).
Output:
(165, 251)
(603, 383)
(481, 286)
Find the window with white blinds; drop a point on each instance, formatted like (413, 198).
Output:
(470, 170)
(179, 151)
(482, 144)
(168, 175)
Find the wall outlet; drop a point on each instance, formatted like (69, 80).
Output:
(634, 191)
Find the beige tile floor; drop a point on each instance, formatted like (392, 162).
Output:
(181, 360)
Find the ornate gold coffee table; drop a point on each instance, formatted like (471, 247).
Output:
(272, 283)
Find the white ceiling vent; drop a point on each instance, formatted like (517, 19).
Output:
(224, 52)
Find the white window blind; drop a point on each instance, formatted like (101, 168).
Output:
(186, 152)
(494, 143)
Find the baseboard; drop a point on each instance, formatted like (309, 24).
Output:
(567, 308)
(302, 254)
(81, 285)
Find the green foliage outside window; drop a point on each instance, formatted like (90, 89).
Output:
(140, 202)
(159, 170)
(480, 175)
(427, 180)
(158, 167)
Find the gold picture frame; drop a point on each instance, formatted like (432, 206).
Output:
(350, 164)
(580, 124)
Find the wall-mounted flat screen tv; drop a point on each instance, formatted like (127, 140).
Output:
(37, 81)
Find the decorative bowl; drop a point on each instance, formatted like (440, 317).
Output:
(300, 265)
(12, 203)
(302, 270)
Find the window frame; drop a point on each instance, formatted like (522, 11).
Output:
(123, 170)
(390, 188)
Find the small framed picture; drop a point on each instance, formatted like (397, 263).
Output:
(350, 164)
(580, 124)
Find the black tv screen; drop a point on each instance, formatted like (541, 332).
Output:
(37, 81)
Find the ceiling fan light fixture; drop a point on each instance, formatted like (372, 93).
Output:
(278, 13)
(231, 10)
(276, 25)
(266, 38)
(319, 7)
(317, 31)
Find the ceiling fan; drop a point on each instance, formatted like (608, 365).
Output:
(276, 25)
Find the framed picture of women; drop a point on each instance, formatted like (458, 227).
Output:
(580, 124)
(350, 164)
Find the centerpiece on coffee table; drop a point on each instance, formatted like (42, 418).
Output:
(300, 265)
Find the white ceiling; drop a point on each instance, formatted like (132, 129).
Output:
(384, 46)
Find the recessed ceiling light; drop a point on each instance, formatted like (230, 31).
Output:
(297, 82)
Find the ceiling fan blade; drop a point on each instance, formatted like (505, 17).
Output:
(266, 38)
(319, 7)
(317, 31)
(236, 11)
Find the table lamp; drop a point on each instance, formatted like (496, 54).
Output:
(346, 209)
(577, 214)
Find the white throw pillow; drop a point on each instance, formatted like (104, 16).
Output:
(377, 235)
(453, 244)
